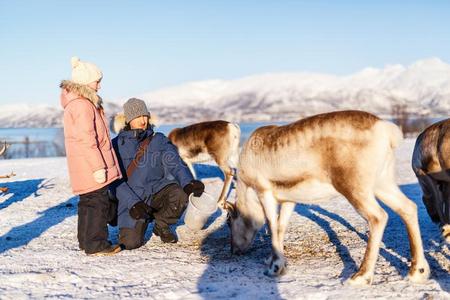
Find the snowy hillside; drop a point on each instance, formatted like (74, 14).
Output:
(39, 255)
(27, 115)
(39, 116)
(423, 86)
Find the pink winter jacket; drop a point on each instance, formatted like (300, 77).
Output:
(86, 137)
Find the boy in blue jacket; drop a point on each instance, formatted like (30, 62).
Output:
(157, 187)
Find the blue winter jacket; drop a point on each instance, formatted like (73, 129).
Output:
(160, 166)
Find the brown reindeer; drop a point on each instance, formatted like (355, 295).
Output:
(431, 163)
(2, 151)
(349, 153)
(217, 140)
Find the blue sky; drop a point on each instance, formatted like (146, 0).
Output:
(145, 45)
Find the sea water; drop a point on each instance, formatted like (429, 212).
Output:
(49, 142)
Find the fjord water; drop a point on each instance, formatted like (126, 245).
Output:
(49, 142)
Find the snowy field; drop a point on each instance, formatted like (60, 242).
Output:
(39, 254)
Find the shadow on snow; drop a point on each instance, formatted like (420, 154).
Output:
(20, 190)
(23, 234)
(395, 237)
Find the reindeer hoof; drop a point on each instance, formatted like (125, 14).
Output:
(419, 273)
(222, 204)
(360, 280)
(277, 267)
(446, 233)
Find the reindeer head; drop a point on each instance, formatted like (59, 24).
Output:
(172, 136)
(245, 218)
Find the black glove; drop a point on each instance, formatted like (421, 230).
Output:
(141, 211)
(195, 187)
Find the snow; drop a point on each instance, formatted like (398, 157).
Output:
(325, 243)
(423, 86)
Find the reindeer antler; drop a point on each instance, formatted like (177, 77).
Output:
(3, 150)
(8, 176)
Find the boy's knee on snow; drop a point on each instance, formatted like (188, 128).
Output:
(130, 243)
(130, 239)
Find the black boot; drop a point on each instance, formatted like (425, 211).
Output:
(166, 235)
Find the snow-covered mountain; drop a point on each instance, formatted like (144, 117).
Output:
(424, 87)
(39, 116)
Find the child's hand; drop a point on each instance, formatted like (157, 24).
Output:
(100, 176)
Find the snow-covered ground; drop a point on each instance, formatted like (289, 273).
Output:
(325, 243)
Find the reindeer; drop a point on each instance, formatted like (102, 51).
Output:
(2, 151)
(217, 140)
(349, 153)
(431, 163)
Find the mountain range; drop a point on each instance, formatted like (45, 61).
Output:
(422, 87)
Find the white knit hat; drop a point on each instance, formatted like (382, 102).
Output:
(84, 72)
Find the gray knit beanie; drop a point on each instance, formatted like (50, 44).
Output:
(134, 108)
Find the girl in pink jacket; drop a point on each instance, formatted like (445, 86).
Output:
(92, 163)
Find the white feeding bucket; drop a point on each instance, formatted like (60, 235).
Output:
(199, 210)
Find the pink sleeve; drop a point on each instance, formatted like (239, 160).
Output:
(84, 131)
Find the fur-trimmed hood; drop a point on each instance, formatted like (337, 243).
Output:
(72, 91)
(119, 122)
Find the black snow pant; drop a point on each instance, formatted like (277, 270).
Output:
(168, 205)
(94, 213)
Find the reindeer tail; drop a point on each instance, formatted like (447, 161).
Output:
(395, 134)
(235, 136)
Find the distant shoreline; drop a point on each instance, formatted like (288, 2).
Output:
(433, 119)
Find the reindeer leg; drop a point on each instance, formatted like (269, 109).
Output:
(446, 202)
(270, 206)
(228, 172)
(191, 168)
(391, 195)
(368, 207)
(432, 198)
(286, 210)
(283, 220)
